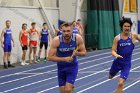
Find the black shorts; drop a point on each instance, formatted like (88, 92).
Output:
(24, 47)
(45, 44)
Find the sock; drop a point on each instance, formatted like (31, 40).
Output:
(4, 63)
(8, 62)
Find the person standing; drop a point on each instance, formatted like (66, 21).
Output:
(43, 41)
(34, 41)
(6, 44)
(23, 38)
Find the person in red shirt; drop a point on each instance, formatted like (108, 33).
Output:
(34, 41)
(23, 38)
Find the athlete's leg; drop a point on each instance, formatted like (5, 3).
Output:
(34, 53)
(61, 79)
(114, 69)
(5, 49)
(69, 87)
(62, 89)
(8, 59)
(120, 85)
(23, 55)
(45, 54)
(5, 60)
(9, 56)
(124, 75)
(40, 50)
(30, 53)
(71, 74)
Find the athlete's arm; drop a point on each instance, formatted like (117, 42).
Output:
(1, 39)
(48, 35)
(80, 31)
(81, 47)
(137, 37)
(52, 52)
(13, 41)
(20, 38)
(39, 33)
(114, 48)
(56, 31)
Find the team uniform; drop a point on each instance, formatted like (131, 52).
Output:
(7, 40)
(75, 30)
(24, 40)
(125, 49)
(33, 37)
(44, 38)
(59, 33)
(67, 72)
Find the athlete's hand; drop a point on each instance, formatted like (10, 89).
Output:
(68, 59)
(74, 53)
(2, 45)
(13, 44)
(21, 44)
(38, 43)
(119, 56)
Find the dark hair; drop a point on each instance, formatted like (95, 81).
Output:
(125, 20)
(44, 23)
(33, 23)
(73, 22)
(24, 24)
(66, 24)
(79, 20)
(8, 21)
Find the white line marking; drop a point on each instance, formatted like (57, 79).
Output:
(28, 84)
(104, 81)
(131, 85)
(57, 86)
(51, 72)
(54, 65)
(47, 66)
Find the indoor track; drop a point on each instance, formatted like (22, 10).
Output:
(92, 77)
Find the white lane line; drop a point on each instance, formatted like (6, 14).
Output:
(47, 72)
(102, 58)
(131, 85)
(45, 67)
(36, 74)
(104, 81)
(81, 72)
(53, 65)
(132, 80)
(76, 80)
(95, 55)
(90, 75)
(15, 80)
(26, 71)
(29, 84)
(100, 63)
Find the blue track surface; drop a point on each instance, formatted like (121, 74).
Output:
(92, 77)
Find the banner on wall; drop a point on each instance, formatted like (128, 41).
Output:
(129, 10)
(133, 6)
(126, 6)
